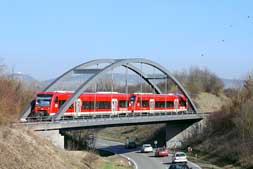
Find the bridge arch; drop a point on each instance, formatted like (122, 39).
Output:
(98, 73)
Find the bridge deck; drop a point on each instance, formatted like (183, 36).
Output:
(110, 121)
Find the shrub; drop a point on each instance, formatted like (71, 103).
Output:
(14, 97)
(234, 122)
(198, 80)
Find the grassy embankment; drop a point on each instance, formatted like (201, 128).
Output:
(227, 138)
(21, 148)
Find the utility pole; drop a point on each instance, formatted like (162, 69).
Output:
(12, 72)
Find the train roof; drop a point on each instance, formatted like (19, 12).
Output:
(113, 94)
(88, 93)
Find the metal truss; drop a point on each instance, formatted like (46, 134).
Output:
(98, 73)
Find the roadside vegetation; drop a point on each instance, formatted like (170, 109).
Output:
(113, 162)
(197, 80)
(14, 97)
(227, 137)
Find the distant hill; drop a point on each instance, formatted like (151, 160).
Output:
(23, 77)
(119, 77)
(232, 83)
(26, 79)
(132, 79)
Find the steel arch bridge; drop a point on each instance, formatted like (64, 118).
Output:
(111, 64)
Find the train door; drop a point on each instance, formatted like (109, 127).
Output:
(152, 105)
(114, 105)
(77, 107)
(176, 102)
(132, 103)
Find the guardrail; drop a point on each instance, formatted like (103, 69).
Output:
(89, 117)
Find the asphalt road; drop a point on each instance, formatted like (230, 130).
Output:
(141, 160)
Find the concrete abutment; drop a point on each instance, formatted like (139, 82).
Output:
(54, 136)
(174, 132)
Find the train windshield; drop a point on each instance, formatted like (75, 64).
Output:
(43, 99)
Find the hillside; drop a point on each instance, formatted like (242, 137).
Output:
(207, 102)
(21, 149)
(227, 137)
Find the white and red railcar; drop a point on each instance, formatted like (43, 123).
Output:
(107, 103)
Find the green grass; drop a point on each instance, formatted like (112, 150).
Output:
(208, 161)
(110, 165)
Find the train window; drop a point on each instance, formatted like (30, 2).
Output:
(99, 105)
(56, 99)
(170, 104)
(182, 103)
(71, 106)
(160, 104)
(43, 102)
(145, 103)
(43, 99)
(61, 102)
(88, 105)
(123, 103)
(85, 105)
(103, 105)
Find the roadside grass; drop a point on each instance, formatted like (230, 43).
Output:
(196, 158)
(104, 136)
(113, 162)
(211, 154)
(110, 165)
(206, 161)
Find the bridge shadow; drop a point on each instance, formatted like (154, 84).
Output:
(119, 149)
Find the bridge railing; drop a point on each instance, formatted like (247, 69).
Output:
(111, 117)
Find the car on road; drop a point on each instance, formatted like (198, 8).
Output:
(131, 144)
(161, 152)
(179, 157)
(179, 166)
(146, 148)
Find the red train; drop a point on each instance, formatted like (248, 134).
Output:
(107, 103)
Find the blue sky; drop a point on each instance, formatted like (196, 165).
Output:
(45, 38)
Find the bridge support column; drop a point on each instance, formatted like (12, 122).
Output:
(173, 133)
(54, 136)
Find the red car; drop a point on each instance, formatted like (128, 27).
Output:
(161, 152)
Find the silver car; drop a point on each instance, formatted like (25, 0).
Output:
(179, 157)
(146, 148)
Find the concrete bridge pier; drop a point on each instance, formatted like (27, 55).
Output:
(173, 132)
(54, 136)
